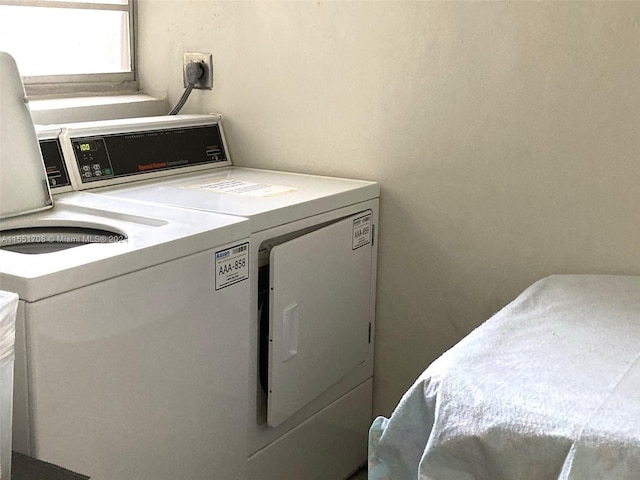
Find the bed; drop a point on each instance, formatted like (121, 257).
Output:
(548, 388)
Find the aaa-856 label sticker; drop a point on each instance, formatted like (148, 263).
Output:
(232, 265)
(361, 231)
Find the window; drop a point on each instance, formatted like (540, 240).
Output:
(66, 45)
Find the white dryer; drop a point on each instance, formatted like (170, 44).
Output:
(130, 353)
(312, 275)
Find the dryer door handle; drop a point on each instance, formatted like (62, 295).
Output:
(290, 323)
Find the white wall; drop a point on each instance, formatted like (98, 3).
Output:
(506, 137)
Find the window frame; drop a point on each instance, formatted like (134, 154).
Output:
(45, 85)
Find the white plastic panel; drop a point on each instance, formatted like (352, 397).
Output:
(23, 181)
(328, 446)
(143, 376)
(297, 196)
(319, 313)
(8, 308)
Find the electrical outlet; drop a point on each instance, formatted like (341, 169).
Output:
(206, 60)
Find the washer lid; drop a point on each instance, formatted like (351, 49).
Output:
(23, 181)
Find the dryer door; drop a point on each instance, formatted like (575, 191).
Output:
(320, 307)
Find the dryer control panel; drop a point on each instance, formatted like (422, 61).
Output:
(124, 154)
(119, 151)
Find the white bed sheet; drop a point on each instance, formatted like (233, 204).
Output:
(548, 388)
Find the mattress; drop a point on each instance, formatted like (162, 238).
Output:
(548, 388)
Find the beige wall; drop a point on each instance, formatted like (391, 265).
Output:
(505, 135)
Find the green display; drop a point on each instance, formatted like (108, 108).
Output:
(87, 146)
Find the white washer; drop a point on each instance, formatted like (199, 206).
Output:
(312, 273)
(130, 355)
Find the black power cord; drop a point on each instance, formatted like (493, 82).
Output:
(193, 72)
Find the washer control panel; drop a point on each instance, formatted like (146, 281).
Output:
(55, 167)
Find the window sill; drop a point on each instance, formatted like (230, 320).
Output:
(100, 107)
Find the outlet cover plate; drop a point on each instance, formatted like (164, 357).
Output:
(206, 60)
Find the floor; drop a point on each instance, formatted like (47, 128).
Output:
(361, 475)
